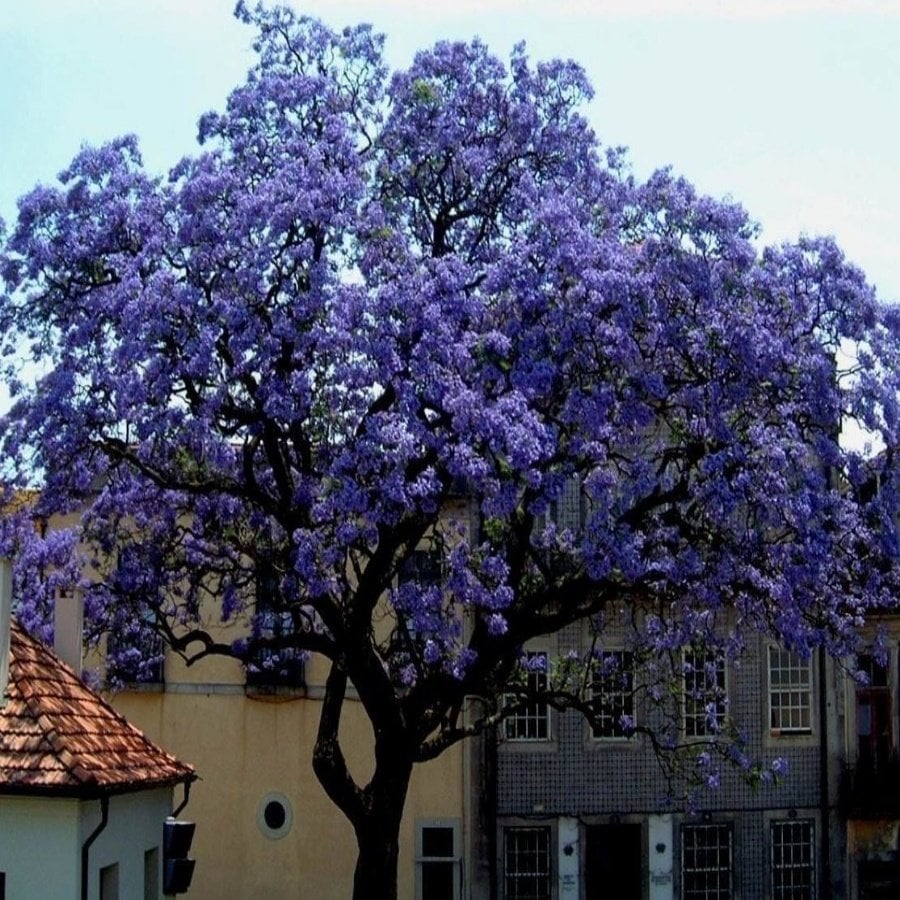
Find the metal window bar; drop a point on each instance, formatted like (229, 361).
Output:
(793, 859)
(706, 862)
(526, 863)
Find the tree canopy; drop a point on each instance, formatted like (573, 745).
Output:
(379, 312)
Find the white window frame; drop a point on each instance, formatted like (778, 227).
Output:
(546, 875)
(694, 717)
(537, 712)
(790, 684)
(618, 696)
(791, 891)
(708, 892)
(455, 859)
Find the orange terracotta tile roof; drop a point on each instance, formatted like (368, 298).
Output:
(57, 736)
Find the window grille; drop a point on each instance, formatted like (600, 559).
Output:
(706, 862)
(793, 856)
(526, 863)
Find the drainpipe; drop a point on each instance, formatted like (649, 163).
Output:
(824, 779)
(5, 617)
(184, 803)
(86, 846)
(492, 802)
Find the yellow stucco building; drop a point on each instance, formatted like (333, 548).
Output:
(265, 827)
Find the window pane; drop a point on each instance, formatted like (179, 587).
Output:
(437, 880)
(151, 874)
(706, 862)
(532, 720)
(790, 678)
(527, 863)
(437, 841)
(793, 860)
(613, 694)
(704, 693)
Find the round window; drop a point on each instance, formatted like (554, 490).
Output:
(274, 815)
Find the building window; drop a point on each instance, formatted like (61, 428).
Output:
(274, 815)
(135, 653)
(874, 716)
(531, 721)
(793, 870)
(526, 863)
(706, 862)
(438, 861)
(421, 567)
(419, 595)
(705, 699)
(151, 874)
(109, 882)
(271, 667)
(612, 689)
(790, 684)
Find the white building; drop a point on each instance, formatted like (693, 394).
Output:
(83, 794)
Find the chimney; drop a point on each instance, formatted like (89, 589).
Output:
(68, 628)
(5, 618)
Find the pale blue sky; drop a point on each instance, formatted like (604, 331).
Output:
(789, 106)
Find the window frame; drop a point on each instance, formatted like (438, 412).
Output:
(879, 697)
(794, 662)
(621, 695)
(545, 831)
(455, 825)
(152, 871)
(271, 618)
(703, 893)
(536, 711)
(789, 890)
(149, 643)
(691, 711)
(110, 886)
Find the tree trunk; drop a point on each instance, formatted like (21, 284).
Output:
(375, 811)
(378, 831)
(375, 876)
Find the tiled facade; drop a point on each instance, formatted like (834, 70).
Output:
(573, 816)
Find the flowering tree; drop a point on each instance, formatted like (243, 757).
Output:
(368, 300)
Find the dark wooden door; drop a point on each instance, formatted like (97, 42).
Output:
(613, 867)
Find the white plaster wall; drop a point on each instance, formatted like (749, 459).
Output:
(135, 826)
(661, 833)
(40, 850)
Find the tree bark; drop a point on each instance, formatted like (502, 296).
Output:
(376, 810)
(378, 829)
(378, 845)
